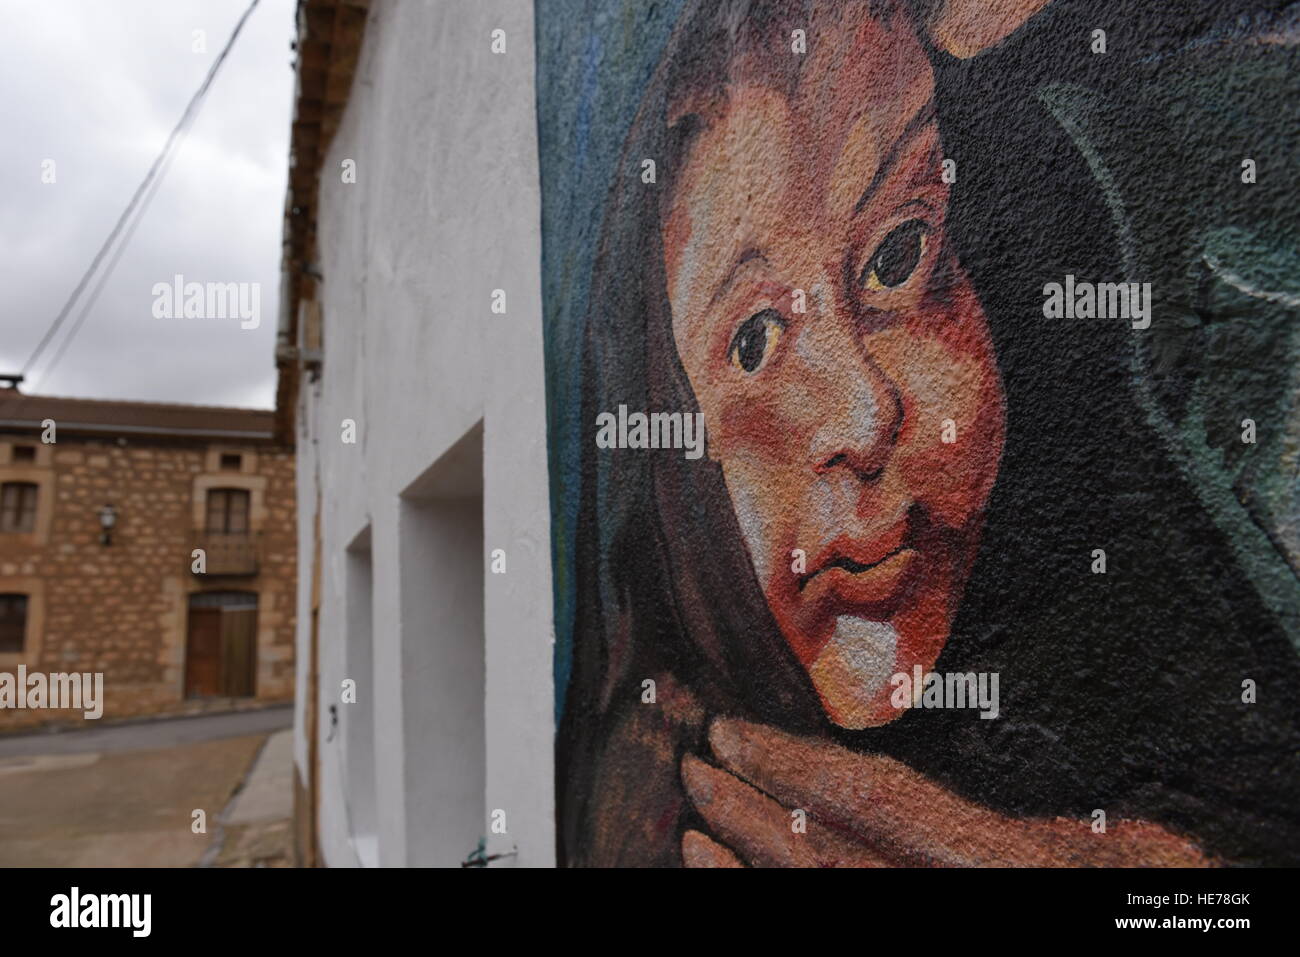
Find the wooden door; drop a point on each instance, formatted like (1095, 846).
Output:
(203, 653)
(238, 652)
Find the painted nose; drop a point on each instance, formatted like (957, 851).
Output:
(864, 415)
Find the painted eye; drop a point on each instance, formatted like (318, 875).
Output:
(755, 340)
(896, 258)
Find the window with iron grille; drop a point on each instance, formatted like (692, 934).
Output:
(13, 623)
(228, 511)
(17, 507)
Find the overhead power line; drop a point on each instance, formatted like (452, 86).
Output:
(177, 132)
(112, 263)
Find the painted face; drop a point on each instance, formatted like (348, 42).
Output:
(839, 355)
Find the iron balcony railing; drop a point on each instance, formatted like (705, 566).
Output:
(225, 553)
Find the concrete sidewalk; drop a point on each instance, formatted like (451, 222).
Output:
(256, 827)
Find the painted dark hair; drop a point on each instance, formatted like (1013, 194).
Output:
(1118, 691)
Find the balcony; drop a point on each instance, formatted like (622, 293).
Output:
(226, 554)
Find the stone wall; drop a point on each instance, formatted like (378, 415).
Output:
(122, 608)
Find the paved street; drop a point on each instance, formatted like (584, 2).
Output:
(125, 795)
(161, 733)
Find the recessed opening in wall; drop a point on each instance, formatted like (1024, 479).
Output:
(221, 645)
(356, 711)
(18, 506)
(231, 461)
(24, 454)
(228, 511)
(13, 623)
(441, 541)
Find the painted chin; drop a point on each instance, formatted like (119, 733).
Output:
(851, 672)
(854, 631)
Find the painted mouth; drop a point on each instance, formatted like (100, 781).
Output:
(850, 565)
(853, 555)
(873, 592)
(867, 574)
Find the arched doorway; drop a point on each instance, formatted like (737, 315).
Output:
(221, 647)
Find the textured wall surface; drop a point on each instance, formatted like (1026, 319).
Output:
(442, 212)
(878, 249)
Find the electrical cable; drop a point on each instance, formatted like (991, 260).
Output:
(190, 110)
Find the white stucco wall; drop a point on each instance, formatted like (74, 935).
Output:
(445, 209)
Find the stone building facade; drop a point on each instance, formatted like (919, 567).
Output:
(153, 543)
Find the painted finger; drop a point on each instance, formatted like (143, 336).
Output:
(880, 801)
(967, 27)
(699, 850)
(761, 831)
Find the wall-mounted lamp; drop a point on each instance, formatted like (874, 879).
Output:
(107, 519)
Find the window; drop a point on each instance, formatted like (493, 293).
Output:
(13, 623)
(228, 511)
(17, 507)
(231, 461)
(24, 454)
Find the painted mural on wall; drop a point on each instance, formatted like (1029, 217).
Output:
(925, 431)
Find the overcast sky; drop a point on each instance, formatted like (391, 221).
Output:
(96, 86)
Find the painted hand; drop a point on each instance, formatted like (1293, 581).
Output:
(866, 810)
